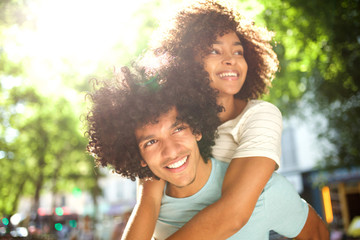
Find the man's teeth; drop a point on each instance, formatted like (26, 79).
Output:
(228, 74)
(178, 164)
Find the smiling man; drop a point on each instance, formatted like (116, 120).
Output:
(159, 129)
(169, 148)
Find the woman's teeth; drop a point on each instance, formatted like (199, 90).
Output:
(228, 74)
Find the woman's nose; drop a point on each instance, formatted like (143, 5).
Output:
(228, 59)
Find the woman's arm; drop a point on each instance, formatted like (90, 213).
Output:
(143, 218)
(315, 227)
(242, 186)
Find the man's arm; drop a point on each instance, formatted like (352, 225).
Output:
(315, 228)
(143, 218)
(242, 186)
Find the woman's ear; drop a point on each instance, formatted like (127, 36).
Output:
(143, 163)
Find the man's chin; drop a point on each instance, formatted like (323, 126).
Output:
(184, 184)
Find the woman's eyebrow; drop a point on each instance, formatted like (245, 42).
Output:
(237, 43)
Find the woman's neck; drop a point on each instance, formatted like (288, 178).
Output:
(232, 108)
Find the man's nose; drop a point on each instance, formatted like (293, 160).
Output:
(170, 149)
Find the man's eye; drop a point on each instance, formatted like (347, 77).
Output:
(149, 143)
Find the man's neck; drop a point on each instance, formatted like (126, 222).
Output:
(202, 176)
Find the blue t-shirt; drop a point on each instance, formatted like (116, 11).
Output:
(278, 208)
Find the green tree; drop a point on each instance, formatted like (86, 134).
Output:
(11, 187)
(45, 149)
(42, 147)
(318, 44)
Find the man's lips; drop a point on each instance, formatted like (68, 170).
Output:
(178, 163)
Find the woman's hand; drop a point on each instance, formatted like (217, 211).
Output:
(142, 222)
(151, 188)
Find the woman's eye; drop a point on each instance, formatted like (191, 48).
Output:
(239, 53)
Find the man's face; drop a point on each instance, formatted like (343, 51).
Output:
(170, 150)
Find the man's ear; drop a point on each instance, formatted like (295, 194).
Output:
(198, 136)
(143, 163)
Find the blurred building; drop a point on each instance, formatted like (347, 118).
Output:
(335, 195)
(119, 197)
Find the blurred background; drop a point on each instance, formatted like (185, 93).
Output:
(50, 49)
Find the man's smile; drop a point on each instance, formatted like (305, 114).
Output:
(178, 165)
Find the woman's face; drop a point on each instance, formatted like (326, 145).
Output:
(226, 64)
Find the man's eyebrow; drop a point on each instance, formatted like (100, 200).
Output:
(148, 137)
(237, 43)
(145, 138)
(176, 123)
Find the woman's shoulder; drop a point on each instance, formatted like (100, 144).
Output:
(261, 105)
(253, 110)
(260, 108)
(259, 111)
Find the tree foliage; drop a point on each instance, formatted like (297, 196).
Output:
(318, 43)
(42, 147)
(44, 150)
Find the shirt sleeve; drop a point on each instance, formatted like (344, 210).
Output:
(259, 133)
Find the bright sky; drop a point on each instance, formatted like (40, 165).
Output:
(78, 36)
(72, 35)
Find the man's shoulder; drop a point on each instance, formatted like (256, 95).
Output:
(219, 165)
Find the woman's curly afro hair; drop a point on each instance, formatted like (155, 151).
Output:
(195, 28)
(125, 103)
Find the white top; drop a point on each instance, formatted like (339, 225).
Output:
(256, 132)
